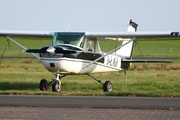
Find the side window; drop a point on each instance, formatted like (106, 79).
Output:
(90, 46)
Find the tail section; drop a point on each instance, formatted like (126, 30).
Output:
(132, 26)
(126, 51)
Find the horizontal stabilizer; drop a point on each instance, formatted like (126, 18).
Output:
(146, 60)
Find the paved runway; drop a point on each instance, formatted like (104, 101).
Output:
(89, 108)
(91, 102)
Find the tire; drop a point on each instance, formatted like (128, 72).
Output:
(56, 87)
(107, 86)
(43, 85)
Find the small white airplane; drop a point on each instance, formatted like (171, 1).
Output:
(80, 52)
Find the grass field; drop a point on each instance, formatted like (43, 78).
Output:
(22, 76)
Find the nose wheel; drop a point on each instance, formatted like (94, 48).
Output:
(56, 86)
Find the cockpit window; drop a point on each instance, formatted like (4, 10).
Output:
(68, 38)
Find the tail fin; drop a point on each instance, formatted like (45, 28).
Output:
(126, 51)
(132, 26)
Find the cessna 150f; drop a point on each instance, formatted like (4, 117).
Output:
(80, 53)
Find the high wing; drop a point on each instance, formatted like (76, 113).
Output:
(159, 35)
(26, 33)
(163, 35)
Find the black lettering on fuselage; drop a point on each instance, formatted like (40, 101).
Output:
(112, 61)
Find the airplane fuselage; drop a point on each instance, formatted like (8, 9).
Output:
(73, 63)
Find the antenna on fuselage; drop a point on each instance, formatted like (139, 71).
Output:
(68, 26)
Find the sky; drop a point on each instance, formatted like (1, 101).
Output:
(89, 15)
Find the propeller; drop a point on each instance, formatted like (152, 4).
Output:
(51, 50)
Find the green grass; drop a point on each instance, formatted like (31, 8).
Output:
(21, 76)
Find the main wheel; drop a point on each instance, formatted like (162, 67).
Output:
(56, 87)
(107, 86)
(43, 85)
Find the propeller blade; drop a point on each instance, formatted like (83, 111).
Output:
(64, 51)
(51, 50)
(35, 51)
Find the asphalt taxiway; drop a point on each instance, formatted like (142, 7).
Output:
(91, 102)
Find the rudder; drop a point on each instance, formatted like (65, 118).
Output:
(126, 51)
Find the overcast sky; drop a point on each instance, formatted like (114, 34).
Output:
(89, 15)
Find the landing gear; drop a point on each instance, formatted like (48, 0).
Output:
(43, 85)
(56, 86)
(107, 86)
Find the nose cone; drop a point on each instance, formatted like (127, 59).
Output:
(51, 50)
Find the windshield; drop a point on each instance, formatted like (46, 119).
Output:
(68, 38)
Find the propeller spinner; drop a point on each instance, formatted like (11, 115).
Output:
(51, 50)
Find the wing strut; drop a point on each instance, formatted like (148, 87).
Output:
(109, 53)
(21, 46)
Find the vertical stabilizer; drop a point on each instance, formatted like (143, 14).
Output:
(126, 51)
(132, 26)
